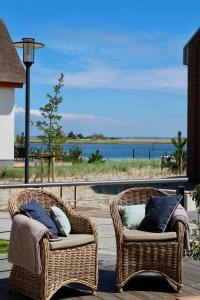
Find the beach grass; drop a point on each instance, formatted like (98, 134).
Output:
(109, 140)
(134, 168)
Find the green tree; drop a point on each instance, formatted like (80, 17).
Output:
(71, 135)
(180, 155)
(177, 161)
(20, 140)
(95, 157)
(19, 149)
(75, 154)
(80, 136)
(50, 126)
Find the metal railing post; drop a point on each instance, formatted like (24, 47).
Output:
(61, 191)
(181, 191)
(75, 196)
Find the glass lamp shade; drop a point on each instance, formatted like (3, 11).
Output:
(29, 45)
(28, 50)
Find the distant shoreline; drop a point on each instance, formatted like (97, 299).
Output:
(111, 141)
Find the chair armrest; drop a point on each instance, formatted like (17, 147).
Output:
(179, 227)
(117, 222)
(80, 223)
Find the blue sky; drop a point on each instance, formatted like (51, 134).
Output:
(122, 61)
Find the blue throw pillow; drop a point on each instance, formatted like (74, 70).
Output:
(36, 211)
(159, 210)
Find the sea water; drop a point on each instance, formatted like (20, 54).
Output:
(119, 150)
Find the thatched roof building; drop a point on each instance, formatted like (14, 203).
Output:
(12, 73)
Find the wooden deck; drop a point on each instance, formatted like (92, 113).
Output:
(148, 287)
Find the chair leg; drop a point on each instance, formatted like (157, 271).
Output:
(179, 287)
(120, 290)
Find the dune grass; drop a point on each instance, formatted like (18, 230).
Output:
(134, 168)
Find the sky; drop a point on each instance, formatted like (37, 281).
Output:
(122, 62)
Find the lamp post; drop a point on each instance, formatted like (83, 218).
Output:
(29, 45)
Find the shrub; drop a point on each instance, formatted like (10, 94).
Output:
(75, 155)
(95, 157)
(195, 194)
(194, 251)
(177, 161)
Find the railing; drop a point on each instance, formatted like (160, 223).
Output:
(75, 184)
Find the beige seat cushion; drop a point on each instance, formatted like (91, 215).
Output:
(138, 235)
(73, 240)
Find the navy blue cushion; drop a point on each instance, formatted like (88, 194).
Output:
(36, 211)
(159, 210)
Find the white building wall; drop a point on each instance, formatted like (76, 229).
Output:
(6, 125)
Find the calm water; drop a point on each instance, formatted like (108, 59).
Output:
(120, 151)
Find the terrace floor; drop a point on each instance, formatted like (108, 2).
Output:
(148, 287)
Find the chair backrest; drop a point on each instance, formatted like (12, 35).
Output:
(137, 196)
(47, 199)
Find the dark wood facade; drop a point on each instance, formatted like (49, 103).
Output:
(192, 60)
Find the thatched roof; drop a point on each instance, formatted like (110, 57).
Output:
(12, 73)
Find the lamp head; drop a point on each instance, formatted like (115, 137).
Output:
(29, 45)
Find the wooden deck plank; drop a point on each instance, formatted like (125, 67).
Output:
(107, 296)
(127, 296)
(143, 287)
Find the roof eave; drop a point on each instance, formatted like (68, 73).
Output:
(11, 84)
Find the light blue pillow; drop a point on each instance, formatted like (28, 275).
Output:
(132, 215)
(61, 220)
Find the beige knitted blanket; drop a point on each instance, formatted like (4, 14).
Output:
(24, 248)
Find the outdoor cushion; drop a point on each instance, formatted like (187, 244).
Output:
(132, 215)
(61, 220)
(139, 235)
(73, 240)
(159, 210)
(35, 210)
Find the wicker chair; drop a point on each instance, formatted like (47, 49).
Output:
(133, 257)
(59, 267)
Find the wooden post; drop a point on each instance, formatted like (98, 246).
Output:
(53, 168)
(149, 154)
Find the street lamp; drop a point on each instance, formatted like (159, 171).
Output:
(29, 45)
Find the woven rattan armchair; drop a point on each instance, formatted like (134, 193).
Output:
(134, 257)
(59, 267)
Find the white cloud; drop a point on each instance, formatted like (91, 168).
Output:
(70, 116)
(19, 110)
(114, 58)
(33, 112)
(102, 76)
(116, 43)
(84, 117)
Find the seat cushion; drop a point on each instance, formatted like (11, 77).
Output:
(138, 235)
(73, 240)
